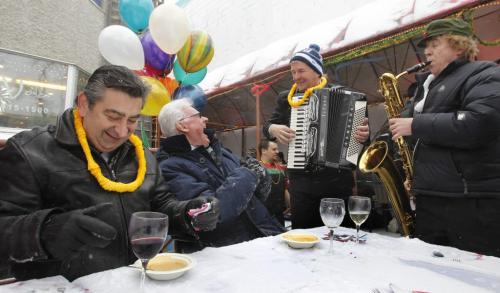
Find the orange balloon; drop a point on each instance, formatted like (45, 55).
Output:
(157, 98)
(170, 83)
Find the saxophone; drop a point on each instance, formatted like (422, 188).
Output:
(377, 158)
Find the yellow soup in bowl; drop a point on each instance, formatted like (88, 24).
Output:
(301, 237)
(166, 263)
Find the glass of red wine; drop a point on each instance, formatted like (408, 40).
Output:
(147, 232)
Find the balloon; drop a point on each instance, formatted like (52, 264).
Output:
(135, 13)
(120, 46)
(169, 66)
(150, 71)
(147, 72)
(156, 99)
(169, 83)
(154, 56)
(169, 27)
(188, 78)
(193, 92)
(197, 52)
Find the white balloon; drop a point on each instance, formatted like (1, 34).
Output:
(169, 27)
(121, 46)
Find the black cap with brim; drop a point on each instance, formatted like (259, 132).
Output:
(447, 26)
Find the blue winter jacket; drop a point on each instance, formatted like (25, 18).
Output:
(191, 173)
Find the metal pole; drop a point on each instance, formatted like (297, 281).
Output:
(257, 124)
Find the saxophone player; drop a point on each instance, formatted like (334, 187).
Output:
(455, 119)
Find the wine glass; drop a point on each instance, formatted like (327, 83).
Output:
(147, 232)
(359, 209)
(332, 211)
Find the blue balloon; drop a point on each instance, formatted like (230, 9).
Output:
(192, 92)
(185, 78)
(135, 13)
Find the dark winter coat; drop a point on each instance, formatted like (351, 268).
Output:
(192, 173)
(44, 171)
(458, 149)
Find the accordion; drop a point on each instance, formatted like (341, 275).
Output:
(324, 130)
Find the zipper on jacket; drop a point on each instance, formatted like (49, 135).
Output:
(466, 190)
(108, 167)
(111, 170)
(117, 159)
(414, 151)
(115, 163)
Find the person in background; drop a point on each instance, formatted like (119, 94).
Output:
(308, 188)
(455, 119)
(269, 158)
(288, 211)
(68, 190)
(195, 164)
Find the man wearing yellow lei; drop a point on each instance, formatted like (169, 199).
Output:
(307, 188)
(68, 190)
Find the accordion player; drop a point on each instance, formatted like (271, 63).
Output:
(324, 130)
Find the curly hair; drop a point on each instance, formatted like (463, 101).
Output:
(467, 44)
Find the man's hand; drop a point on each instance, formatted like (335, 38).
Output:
(400, 127)
(362, 132)
(282, 133)
(263, 178)
(204, 212)
(65, 234)
(254, 166)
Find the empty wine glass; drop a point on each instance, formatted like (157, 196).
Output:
(359, 209)
(332, 211)
(147, 233)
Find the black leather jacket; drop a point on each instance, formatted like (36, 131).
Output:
(44, 171)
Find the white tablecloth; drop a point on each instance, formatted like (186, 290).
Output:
(269, 265)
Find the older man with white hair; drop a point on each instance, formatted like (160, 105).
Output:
(194, 164)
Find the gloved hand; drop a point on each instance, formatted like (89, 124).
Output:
(204, 212)
(67, 233)
(264, 188)
(254, 166)
(263, 178)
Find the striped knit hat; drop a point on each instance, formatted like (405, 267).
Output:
(311, 57)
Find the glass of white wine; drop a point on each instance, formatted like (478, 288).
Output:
(332, 211)
(359, 208)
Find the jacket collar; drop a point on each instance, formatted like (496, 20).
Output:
(65, 129)
(180, 144)
(452, 67)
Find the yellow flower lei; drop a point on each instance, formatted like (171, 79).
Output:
(307, 93)
(94, 168)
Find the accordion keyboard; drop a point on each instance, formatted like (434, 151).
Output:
(297, 148)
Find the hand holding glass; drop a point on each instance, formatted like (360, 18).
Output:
(147, 232)
(359, 209)
(332, 211)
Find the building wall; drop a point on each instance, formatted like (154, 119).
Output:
(65, 30)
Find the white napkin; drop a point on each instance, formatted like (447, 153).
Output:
(57, 284)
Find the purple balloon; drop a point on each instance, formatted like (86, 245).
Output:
(154, 56)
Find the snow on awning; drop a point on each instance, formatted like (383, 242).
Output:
(374, 19)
